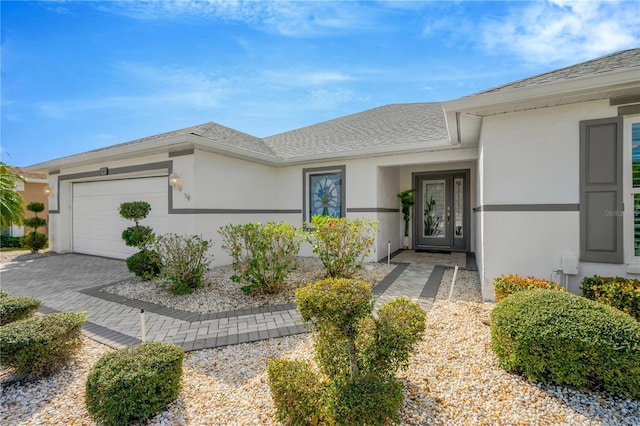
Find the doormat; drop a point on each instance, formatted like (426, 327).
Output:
(433, 251)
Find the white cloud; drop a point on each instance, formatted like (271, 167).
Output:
(288, 18)
(303, 78)
(564, 31)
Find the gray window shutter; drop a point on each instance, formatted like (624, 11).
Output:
(601, 209)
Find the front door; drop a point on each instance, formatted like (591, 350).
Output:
(441, 211)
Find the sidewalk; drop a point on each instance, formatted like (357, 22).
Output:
(71, 282)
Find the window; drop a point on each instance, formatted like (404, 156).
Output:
(632, 185)
(324, 192)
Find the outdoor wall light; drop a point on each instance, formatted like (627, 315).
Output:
(175, 181)
(48, 191)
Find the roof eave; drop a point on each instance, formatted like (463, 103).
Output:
(581, 85)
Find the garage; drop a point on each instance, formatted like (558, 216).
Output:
(97, 225)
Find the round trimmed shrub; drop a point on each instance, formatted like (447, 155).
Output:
(557, 337)
(40, 345)
(134, 383)
(14, 308)
(144, 264)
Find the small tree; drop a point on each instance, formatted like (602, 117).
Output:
(406, 202)
(144, 263)
(34, 240)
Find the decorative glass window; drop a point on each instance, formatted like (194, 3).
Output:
(324, 192)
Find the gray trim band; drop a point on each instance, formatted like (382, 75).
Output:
(625, 100)
(528, 208)
(233, 211)
(372, 210)
(628, 110)
(181, 153)
(112, 172)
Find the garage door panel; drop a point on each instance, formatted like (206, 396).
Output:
(97, 225)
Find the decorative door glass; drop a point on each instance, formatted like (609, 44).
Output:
(635, 154)
(434, 208)
(458, 207)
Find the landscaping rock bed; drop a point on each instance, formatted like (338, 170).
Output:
(452, 380)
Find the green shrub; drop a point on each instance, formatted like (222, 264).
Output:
(135, 210)
(503, 286)
(296, 392)
(144, 264)
(366, 400)
(357, 354)
(34, 240)
(342, 244)
(40, 345)
(621, 293)
(557, 337)
(134, 383)
(183, 261)
(137, 236)
(14, 308)
(263, 255)
(10, 241)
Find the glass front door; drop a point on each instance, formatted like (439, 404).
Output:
(441, 210)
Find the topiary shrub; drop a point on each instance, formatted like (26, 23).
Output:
(144, 263)
(34, 240)
(135, 383)
(40, 345)
(357, 354)
(503, 286)
(621, 293)
(263, 255)
(14, 308)
(342, 244)
(183, 261)
(296, 391)
(557, 337)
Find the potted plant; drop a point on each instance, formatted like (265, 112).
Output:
(406, 201)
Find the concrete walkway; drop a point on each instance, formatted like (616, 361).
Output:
(71, 282)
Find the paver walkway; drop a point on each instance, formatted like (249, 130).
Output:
(71, 282)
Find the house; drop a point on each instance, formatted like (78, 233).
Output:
(535, 177)
(33, 189)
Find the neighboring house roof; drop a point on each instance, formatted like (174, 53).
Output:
(388, 127)
(396, 128)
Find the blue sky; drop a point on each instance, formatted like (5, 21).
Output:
(83, 75)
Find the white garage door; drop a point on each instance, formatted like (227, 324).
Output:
(97, 225)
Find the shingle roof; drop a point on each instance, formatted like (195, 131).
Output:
(385, 126)
(625, 59)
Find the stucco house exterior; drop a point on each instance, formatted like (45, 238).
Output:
(535, 177)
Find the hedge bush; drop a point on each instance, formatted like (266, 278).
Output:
(503, 286)
(557, 337)
(134, 383)
(10, 241)
(621, 293)
(40, 345)
(14, 308)
(356, 353)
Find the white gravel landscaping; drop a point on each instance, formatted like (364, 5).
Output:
(453, 380)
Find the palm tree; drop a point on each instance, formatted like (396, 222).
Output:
(11, 210)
